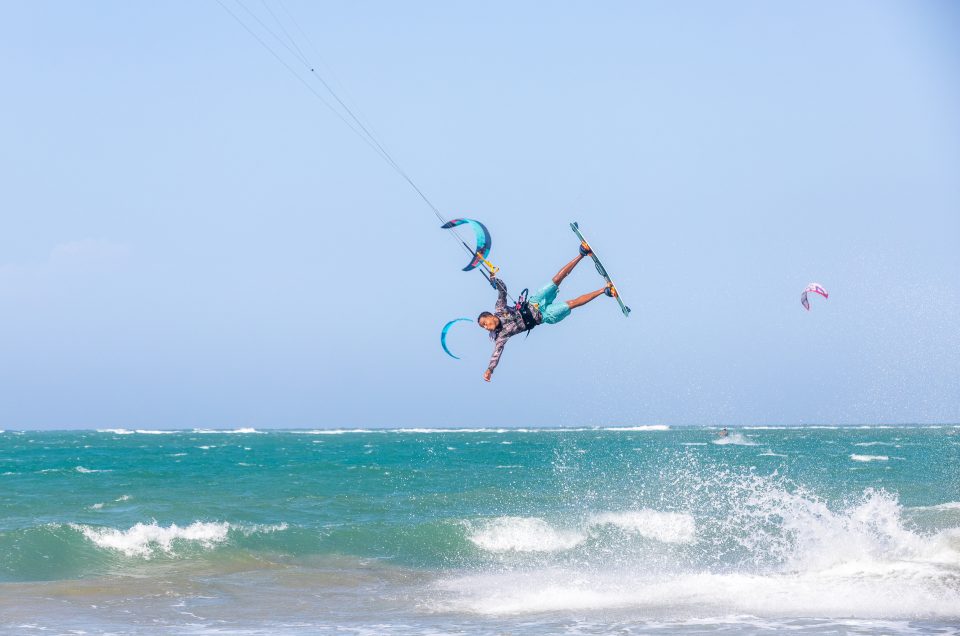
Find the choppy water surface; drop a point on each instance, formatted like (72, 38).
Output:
(580, 531)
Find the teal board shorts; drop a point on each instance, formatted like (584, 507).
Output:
(551, 310)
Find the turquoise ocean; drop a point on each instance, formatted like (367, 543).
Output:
(632, 530)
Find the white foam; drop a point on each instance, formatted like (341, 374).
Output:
(533, 534)
(737, 439)
(690, 596)
(874, 444)
(81, 469)
(451, 430)
(523, 534)
(262, 528)
(498, 430)
(764, 547)
(96, 506)
(236, 431)
(123, 498)
(791, 428)
(860, 427)
(147, 540)
(869, 458)
(771, 454)
(143, 431)
(858, 562)
(950, 505)
(115, 431)
(668, 527)
(335, 431)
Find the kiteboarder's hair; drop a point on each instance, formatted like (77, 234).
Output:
(483, 314)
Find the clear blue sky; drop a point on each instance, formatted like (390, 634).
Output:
(189, 238)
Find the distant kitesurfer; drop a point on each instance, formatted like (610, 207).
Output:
(723, 433)
(541, 307)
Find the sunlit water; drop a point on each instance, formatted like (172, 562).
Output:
(578, 531)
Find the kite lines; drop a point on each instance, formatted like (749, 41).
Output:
(288, 46)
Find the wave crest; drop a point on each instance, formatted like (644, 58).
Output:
(668, 527)
(533, 534)
(869, 458)
(146, 540)
(523, 534)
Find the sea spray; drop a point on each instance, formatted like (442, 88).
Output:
(782, 551)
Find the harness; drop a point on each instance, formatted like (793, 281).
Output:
(522, 308)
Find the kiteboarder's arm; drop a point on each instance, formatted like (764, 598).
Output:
(501, 294)
(495, 358)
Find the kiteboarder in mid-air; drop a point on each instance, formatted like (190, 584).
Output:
(542, 307)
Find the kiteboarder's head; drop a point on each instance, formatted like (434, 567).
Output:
(488, 321)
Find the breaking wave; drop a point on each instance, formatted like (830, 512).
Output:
(737, 439)
(746, 544)
(869, 458)
(533, 534)
(147, 540)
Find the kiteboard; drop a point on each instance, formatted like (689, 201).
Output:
(600, 268)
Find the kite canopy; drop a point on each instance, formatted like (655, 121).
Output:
(443, 335)
(484, 243)
(816, 288)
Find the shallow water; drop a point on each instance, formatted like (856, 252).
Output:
(577, 531)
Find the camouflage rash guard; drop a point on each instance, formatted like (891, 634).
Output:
(511, 323)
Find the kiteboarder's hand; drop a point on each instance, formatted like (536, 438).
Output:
(487, 374)
(610, 290)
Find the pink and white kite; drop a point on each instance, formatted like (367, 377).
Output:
(815, 288)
